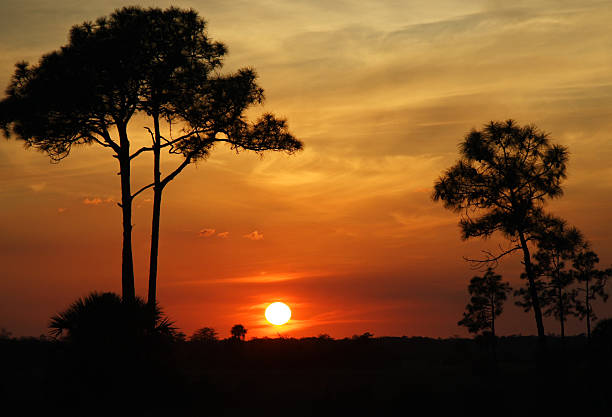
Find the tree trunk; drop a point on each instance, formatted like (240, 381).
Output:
(561, 315)
(533, 293)
(588, 311)
(493, 320)
(560, 296)
(127, 261)
(157, 197)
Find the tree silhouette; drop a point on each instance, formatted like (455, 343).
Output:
(238, 332)
(500, 184)
(593, 284)
(204, 335)
(152, 61)
(488, 294)
(78, 94)
(557, 243)
(209, 107)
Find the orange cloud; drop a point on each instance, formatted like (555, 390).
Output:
(206, 232)
(254, 235)
(37, 187)
(92, 202)
(223, 235)
(97, 201)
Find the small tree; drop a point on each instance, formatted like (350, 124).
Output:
(204, 335)
(238, 332)
(557, 243)
(488, 294)
(593, 284)
(500, 184)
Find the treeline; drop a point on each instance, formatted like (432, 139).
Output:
(309, 376)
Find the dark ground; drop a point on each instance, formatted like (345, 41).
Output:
(308, 377)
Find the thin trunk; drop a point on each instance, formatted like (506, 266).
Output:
(158, 187)
(127, 261)
(561, 315)
(493, 319)
(560, 296)
(588, 311)
(533, 293)
(157, 197)
(493, 338)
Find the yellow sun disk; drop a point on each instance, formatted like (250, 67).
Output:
(278, 313)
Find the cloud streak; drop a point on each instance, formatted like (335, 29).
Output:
(254, 235)
(96, 201)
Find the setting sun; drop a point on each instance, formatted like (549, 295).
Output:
(278, 313)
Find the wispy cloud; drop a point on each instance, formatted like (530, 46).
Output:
(37, 187)
(261, 278)
(206, 232)
(95, 201)
(254, 235)
(223, 235)
(92, 201)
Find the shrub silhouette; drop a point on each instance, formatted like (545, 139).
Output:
(238, 332)
(204, 335)
(104, 318)
(602, 333)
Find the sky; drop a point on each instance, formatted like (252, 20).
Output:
(345, 232)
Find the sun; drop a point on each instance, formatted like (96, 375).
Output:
(278, 313)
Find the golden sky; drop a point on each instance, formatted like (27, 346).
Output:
(380, 92)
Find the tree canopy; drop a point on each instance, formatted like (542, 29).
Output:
(160, 63)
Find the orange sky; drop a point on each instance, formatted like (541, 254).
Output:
(380, 92)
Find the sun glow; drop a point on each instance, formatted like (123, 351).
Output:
(278, 313)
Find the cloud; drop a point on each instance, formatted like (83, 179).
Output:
(261, 278)
(254, 235)
(37, 187)
(61, 210)
(206, 232)
(223, 235)
(97, 201)
(92, 202)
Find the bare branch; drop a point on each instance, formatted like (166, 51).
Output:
(139, 151)
(174, 173)
(142, 189)
(99, 142)
(490, 260)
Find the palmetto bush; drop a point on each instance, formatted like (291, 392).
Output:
(105, 318)
(602, 334)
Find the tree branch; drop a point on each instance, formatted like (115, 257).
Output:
(139, 151)
(142, 189)
(490, 259)
(174, 173)
(99, 142)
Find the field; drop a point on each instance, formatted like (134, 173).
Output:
(309, 377)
